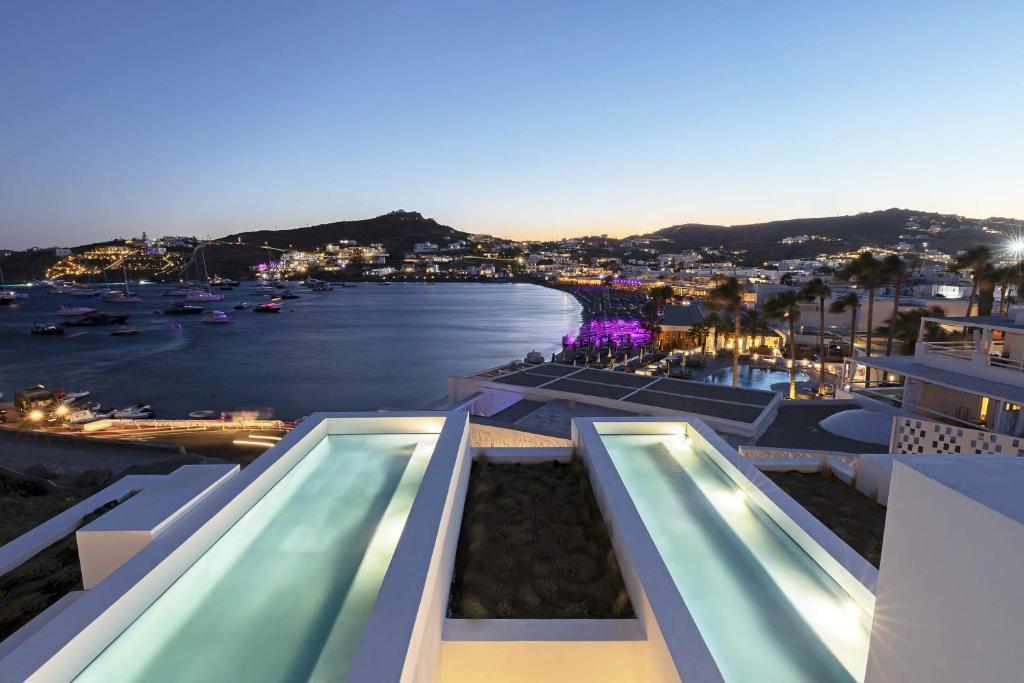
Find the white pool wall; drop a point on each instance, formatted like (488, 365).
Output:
(64, 647)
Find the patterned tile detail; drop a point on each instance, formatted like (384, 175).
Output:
(912, 435)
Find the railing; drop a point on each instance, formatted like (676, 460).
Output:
(1009, 363)
(961, 350)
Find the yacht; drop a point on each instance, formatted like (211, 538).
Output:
(183, 309)
(47, 329)
(97, 318)
(203, 295)
(75, 310)
(215, 317)
(124, 297)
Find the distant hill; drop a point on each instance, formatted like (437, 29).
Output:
(398, 231)
(762, 240)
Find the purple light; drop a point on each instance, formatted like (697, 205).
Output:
(616, 331)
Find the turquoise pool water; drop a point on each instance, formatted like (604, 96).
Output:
(753, 378)
(767, 611)
(285, 593)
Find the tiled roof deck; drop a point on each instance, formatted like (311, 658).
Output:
(729, 403)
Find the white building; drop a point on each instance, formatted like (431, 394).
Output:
(974, 380)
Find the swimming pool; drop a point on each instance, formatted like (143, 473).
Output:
(286, 592)
(754, 378)
(765, 609)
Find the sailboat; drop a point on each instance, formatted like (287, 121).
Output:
(8, 297)
(125, 297)
(204, 294)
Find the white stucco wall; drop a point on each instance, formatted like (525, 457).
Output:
(949, 603)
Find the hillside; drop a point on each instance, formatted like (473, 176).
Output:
(762, 240)
(398, 231)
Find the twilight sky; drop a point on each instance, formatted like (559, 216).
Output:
(522, 119)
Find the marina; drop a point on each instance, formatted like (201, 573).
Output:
(308, 355)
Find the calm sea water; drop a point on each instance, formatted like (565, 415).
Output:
(359, 348)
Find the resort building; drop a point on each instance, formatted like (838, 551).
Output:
(968, 376)
(677, 326)
(386, 547)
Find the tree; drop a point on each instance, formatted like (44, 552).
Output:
(754, 323)
(866, 271)
(817, 290)
(700, 331)
(727, 296)
(987, 283)
(1010, 275)
(850, 302)
(714, 323)
(787, 280)
(651, 310)
(895, 272)
(907, 326)
(975, 259)
(786, 306)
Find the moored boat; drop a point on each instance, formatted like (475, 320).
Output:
(47, 329)
(215, 317)
(97, 318)
(268, 307)
(183, 309)
(75, 310)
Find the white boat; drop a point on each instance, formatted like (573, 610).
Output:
(179, 292)
(217, 317)
(139, 411)
(85, 291)
(75, 310)
(80, 417)
(203, 295)
(265, 289)
(203, 414)
(122, 298)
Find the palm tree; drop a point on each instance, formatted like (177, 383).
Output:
(907, 327)
(867, 272)
(895, 272)
(1010, 275)
(975, 259)
(786, 306)
(727, 296)
(713, 322)
(700, 331)
(987, 283)
(753, 322)
(850, 302)
(817, 290)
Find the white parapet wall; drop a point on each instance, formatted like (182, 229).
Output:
(949, 602)
(117, 536)
(913, 435)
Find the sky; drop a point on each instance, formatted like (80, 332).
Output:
(520, 119)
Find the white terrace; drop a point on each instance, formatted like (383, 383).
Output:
(977, 381)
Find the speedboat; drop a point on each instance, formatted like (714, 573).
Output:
(139, 411)
(183, 309)
(47, 329)
(216, 317)
(122, 298)
(98, 318)
(268, 307)
(75, 310)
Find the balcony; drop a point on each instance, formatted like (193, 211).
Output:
(972, 352)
